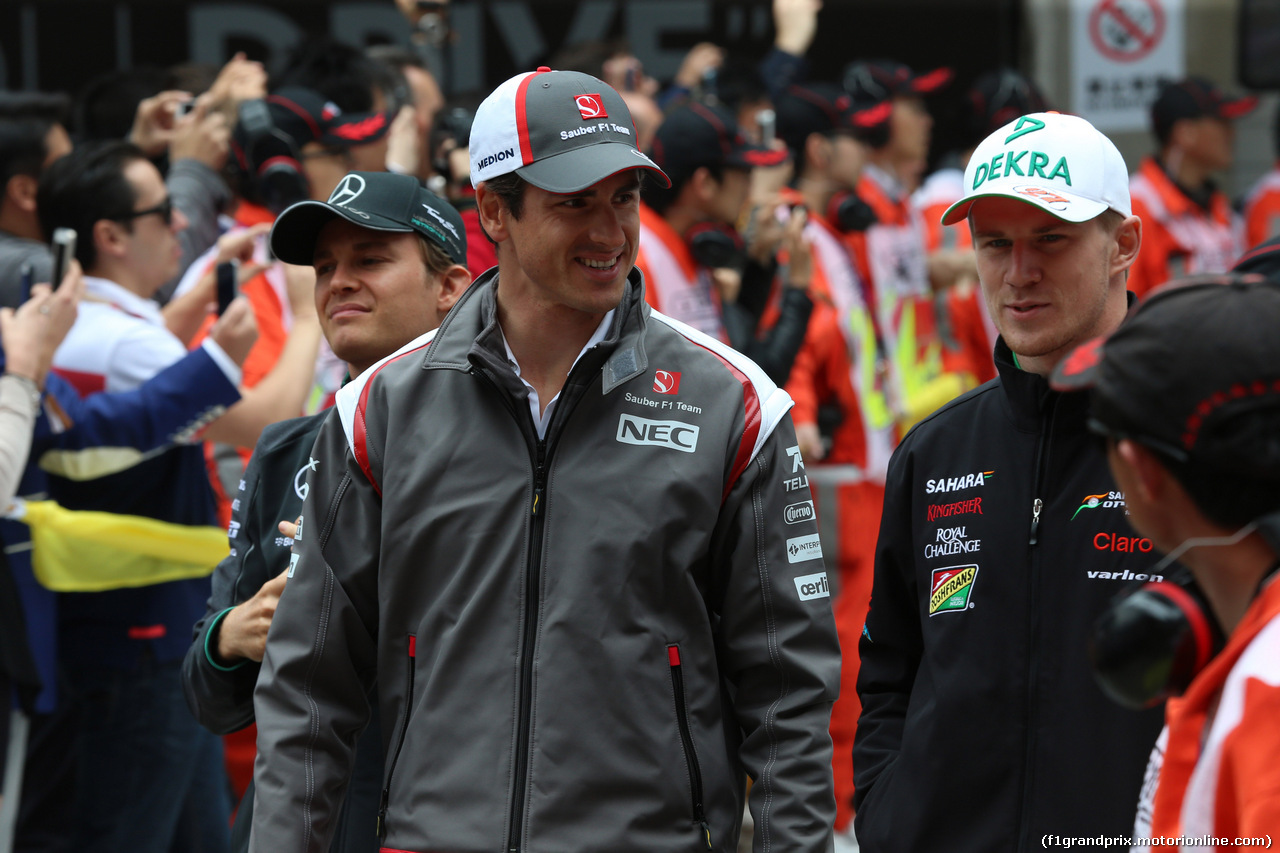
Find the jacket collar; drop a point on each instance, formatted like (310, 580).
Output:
(1029, 395)
(470, 336)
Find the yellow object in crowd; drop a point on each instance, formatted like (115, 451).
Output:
(75, 551)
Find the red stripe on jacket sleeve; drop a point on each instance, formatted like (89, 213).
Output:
(359, 437)
(754, 420)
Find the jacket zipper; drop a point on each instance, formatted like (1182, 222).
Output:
(541, 459)
(395, 756)
(1037, 505)
(526, 644)
(686, 739)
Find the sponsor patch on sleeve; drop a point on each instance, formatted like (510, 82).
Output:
(803, 548)
(813, 586)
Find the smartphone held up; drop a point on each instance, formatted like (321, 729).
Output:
(64, 251)
(228, 275)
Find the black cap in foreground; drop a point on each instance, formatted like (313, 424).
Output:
(379, 201)
(1263, 259)
(1193, 373)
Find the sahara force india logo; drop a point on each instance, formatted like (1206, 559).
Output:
(955, 484)
(951, 589)
(1105, 500)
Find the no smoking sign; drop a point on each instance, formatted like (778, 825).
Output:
(1126, 30)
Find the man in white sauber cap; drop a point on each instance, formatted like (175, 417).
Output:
(1004, 536)
(570, 543)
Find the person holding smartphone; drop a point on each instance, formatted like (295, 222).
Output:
(67, 431)
(121, 649)
(32, 136)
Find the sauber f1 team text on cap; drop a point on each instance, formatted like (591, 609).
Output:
(561, 131)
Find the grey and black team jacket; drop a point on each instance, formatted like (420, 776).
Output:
(220, 693)
(583, 643)
(1003, 538)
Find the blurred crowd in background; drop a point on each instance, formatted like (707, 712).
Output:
(802, 227)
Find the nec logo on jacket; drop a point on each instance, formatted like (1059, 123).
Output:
(676, 435)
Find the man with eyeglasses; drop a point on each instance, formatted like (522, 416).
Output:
(1004, 535)
(149, 777)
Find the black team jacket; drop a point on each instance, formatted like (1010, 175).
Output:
(1003, 538)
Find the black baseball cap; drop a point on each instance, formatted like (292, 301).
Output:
(1196, 97)
(997, 98)
(306, 116)
(1193, 373)
(379, 201)
(882, 79)
(826, 107)
(1263, 259)
(695, 134)
(561, 131)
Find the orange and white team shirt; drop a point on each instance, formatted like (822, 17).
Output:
(674, 283)
(970, 345)
(939, 191)
(891, 255)
(1262, 210)
(1217, 762)
(841, 358)
(1179, 237)
(841, 363)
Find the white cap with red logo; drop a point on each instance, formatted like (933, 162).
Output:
(561, 131)
(1059, 163)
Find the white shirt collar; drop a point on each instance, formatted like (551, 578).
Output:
(887, 180)
(126, 300)
(542, 418)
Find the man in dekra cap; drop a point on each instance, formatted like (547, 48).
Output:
(1187, 393)
(389, 261)
(564, 539)
(982, 728)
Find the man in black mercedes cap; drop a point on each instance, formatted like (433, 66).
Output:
(389, 259)
(1187, 393)
(568, 541)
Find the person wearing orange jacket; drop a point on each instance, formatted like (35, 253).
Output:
(686, 230)
(1187, 393)
(1262, 204)
(844, 427)
(1188, 226)
(995, 99)
(891, 254)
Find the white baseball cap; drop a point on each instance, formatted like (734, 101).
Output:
(561, 131)
(1061, 164)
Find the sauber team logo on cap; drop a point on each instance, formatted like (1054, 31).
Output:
(590, 106)
(666, 382)
(951, 588)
